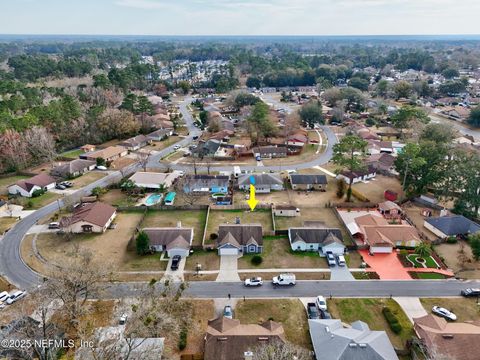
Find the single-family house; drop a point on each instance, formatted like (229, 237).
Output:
(383, 163)
(135, 143)
(264, 183)
(448, 340)
(451, 225)
(110, 153)
(173, 240)
(286, 210)
(371, 230)
(318, 239)
(377, 147)
(27, 187)
(298, 139)
(208, 148)
(332, 340)
(89, 218)
(206, 184)
(357, 176)
(308, 181)
(235, 239)
(152, 180)
(160, 134)
(228, 339)
(270, 152)
(73, 168)
(457, 112)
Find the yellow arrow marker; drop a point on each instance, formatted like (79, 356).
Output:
(252, 201)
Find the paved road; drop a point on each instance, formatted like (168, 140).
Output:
(359, 288)
(464, 130)
(12, 266)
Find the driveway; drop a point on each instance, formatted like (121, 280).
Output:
(228, 268)
(387, 266)
(411, 306)
(175, 275)
(340, 273)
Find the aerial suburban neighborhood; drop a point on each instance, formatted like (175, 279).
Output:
(237, 197)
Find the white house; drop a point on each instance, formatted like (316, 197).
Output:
(263, 183)
(357, 176)
(89, 218)
(318, 239)
(286, 210)
(152, 180)
(27, 187)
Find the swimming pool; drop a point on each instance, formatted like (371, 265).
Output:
(153, 199)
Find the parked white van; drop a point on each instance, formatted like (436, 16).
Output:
(284, 279)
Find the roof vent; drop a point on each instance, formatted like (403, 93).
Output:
(362, 345)
(179, 224)
(222, 339)
(352, 345)
(248, 355)
(327, 329)
(447, 336)
(237, 220)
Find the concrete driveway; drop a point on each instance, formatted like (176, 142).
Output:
(340, 273)
(175, 275)
(411, 306)
(228, 268)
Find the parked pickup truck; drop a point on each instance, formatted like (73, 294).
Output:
(312, 311)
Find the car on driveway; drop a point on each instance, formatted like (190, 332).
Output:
(331, 259)
(312, 311)
(60, 187)
(123, 319)
(470, 292)
(437, 310)
(175, 261)
(321, 302)
(67, 184)
(15, 296)
(54, 225)
(254, 281)
(228, 312)
(324, 314)
(4, 296)
(341, 260)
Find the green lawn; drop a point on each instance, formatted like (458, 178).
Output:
(431, 276)
(218, 217)
(169, 218)
(40, 201)
(370, 312)
(72, 154)
(430, 262)
(278, 254)
(5, 182)
(291, 313)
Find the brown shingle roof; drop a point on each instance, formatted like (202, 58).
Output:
(227, 339)
(96, 213)
(40, 180)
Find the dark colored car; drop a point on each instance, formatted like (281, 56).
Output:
(470, 292)
(175, 261)
(324, 314)
(312, 311)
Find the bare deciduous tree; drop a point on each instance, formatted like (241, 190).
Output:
(40, 144)
(184, 192)
(278, 350)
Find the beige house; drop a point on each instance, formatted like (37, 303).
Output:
(286, 210)
(109, 154)
(89, 218)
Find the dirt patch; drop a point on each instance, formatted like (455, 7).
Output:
(467, 268)
(122, 162)
(116, 197)
(6, 223)
(87, 179)
(203, 310)
(465, 309)
(5, 285)
(200, 277)
(291, 313)
(278, 254)
(414, 213)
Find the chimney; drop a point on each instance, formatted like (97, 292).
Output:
(248, 355)
(179, 224)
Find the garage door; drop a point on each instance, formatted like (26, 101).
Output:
(381, 249)
(228, 251)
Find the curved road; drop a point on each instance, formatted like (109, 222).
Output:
(13, 268)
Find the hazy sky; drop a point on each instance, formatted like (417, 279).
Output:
(240, 17)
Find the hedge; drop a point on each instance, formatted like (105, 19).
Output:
(182, 341)
(392, 320)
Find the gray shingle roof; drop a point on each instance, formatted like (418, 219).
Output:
(170, 237)
(454, 225)
(308, 179)
(243, 234)
(260, 179)
(315, 235)
(334, 342)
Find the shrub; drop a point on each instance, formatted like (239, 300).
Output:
(38, 192)
(213, 236)
(392, 320)
(452, 240)
(341, 185)
(257, 260)
(182, 341)
(142, 243)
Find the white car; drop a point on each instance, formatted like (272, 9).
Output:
(331, 259)
(123, 319)
(17, 295)
(176, 147)
(254, 281)
(321, 303)
(437, 310)
(101, 167)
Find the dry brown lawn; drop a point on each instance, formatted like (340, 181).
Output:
(109, 247)
(203, 310)
(414, 212)
(277, 254)
(122, 162)
(5, 285)
(291, 313)
(159, 145)
(465, 309)
(6, 223)
(450, 254)
(200, 277)
(5, 182)
(375, 188)
(116, 197)
(170, 218)
(87, 179)
(208, 259)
